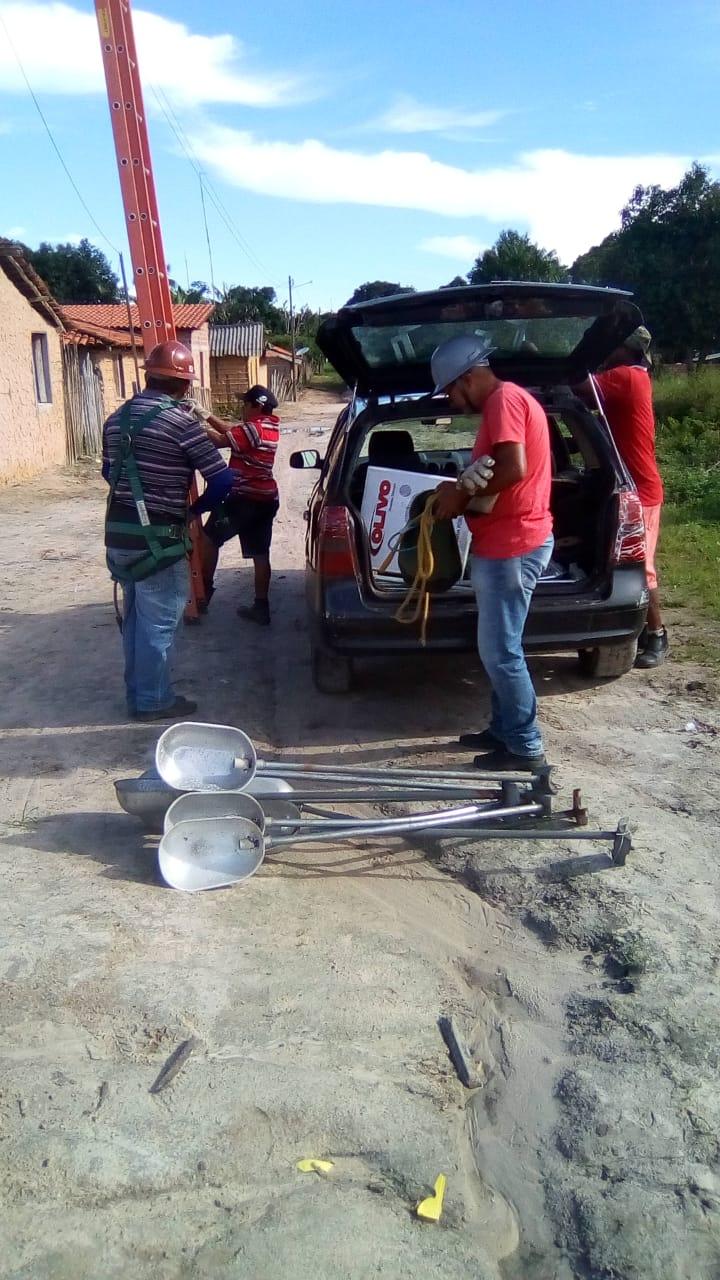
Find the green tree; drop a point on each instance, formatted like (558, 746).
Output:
(75, 272)
(197, 291)
(377, 289)
(243, 305)
(455, 283)
(667, 252)
(515, 257)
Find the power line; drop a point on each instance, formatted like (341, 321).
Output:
(206, 185)
(207, 233)
(210, 189)
(55, 146)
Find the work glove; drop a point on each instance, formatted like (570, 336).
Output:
(475, 477)
(198, 410)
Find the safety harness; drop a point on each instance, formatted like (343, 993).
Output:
(165, 543)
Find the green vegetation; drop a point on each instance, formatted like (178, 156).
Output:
(75, 272)
(688, 443)
(515, 257)
(667, 252)
(327, 380)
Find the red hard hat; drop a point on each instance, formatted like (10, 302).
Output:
(171, 360)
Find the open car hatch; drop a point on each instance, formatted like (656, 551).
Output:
(543, 334)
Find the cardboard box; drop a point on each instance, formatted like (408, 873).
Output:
(385, 511)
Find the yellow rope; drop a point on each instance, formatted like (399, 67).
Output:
(416, 604)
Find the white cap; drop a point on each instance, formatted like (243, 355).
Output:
(456, 356)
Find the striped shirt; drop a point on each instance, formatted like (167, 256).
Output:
(168, 450)
(253, 447)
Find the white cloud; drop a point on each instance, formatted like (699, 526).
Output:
(59, 47)
(460, 248)
(566, 201)
(15, 233)
(407, 115)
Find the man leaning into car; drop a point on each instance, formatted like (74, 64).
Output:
(511, 527)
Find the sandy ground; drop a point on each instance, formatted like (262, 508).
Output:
(588, 993)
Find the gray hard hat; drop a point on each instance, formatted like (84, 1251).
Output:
(456, 356)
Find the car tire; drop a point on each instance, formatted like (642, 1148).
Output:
(331, 672)
(608, 662)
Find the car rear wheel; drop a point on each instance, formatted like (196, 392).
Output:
(331, 672)
(607, 662)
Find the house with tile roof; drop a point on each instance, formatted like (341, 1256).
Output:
(115, 343)
(32, 401)
(240, 357)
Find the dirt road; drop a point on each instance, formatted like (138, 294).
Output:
(588, 993)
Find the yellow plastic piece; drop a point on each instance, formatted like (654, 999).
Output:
(315, 1166)
(431, 1209)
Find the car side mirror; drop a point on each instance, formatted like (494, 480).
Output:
(306, 460)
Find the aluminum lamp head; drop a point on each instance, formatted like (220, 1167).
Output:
(457, 356)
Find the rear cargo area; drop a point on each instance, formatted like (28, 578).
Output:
(394, 461)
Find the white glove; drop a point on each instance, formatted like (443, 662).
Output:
(198, 410)
(475, 478)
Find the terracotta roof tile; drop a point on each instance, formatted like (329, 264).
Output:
(113, 315)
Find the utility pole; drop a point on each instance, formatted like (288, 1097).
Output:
(293, 385)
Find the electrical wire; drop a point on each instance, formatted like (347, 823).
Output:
(206, 185)
(54, 144)
(207, 233)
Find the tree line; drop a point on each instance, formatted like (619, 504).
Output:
(666, 251)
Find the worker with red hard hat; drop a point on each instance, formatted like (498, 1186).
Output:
(152, 446)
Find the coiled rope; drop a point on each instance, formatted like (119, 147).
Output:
(415, 606)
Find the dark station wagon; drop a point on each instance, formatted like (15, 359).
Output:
(547, 338)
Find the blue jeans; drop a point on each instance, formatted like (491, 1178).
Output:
(503, 590)
(152, 610)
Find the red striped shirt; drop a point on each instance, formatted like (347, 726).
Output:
(253, 447)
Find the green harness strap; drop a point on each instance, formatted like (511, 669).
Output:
(158, 557)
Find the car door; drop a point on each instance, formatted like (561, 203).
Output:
(329, 468)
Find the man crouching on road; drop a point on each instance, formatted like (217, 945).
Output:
(511, 538)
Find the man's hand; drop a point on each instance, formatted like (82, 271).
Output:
(198, 410)
(475, 477)
(449, 501)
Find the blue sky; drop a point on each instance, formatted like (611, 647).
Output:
(355, 141)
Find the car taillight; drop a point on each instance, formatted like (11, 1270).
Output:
(630, 536)
(336, 543)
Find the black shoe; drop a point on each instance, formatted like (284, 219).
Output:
(504, 761)
(258, 612)
(655, 652)
(486, 740)
(180, 707)
(642, 640)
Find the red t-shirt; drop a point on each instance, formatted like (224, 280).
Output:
(626, 393)
(253, 447)
(520, 521)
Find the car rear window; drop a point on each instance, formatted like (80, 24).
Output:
(512, 327)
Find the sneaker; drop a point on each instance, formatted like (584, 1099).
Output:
(180, 708)
(486, 740)
(504, 761)
(642, 640)
(258, 612)
(655, 652)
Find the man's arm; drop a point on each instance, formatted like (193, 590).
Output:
(510, 467)
(204, 457)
